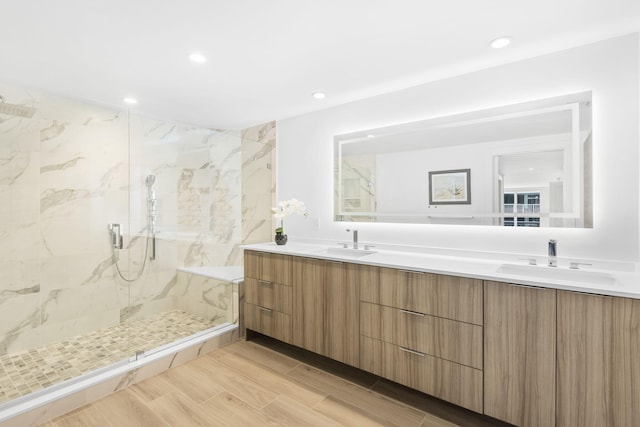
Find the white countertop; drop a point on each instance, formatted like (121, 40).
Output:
(232, 274)
(511, 270)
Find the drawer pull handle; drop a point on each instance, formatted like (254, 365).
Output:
(264, 282)
(411, 272)
(414, 313)
(417, 353)
(268, 310)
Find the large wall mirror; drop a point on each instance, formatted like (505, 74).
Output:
(521, 165)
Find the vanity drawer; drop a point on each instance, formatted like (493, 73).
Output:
(456, 298)
(446, 380)
(268, 294)
(267, 321)
(270, 267)
(447, 339)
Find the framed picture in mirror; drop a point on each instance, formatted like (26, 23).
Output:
(450, 187)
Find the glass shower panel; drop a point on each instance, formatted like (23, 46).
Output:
(63, 176)
(19, 241)
(208, 295)
(190, 217)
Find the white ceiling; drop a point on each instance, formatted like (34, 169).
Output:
(266, 57)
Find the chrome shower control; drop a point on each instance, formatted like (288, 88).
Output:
(116, 235)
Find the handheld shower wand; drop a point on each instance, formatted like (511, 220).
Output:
(151, 204)
(150, 180)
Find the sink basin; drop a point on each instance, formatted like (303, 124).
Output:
(558, 273)
(354, 253)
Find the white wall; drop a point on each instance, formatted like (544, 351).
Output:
(403, 180)
(609, 68)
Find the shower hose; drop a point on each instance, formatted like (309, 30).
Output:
(144, 262)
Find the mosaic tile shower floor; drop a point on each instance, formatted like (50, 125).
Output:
(28, 371)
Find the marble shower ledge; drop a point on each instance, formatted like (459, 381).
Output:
(623, 280)
(233, 274)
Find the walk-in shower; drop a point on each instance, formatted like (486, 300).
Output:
(77, 297)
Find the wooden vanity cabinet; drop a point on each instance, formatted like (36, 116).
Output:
(269, 267)
(267, 321)
(525, 355)
(598, 360)
(424, 331)
(450, 297)
(326, 308)
(519, 354)
(268, 294)
(309, 303)
(342, 310)
(457, 342)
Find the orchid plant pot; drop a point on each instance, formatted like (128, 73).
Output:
(284, 209)
(281, 239)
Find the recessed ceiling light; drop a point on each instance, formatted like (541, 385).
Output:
(198, 58)
(371, 136)
(319, 95)
(531, 169)
(500, 42)
(129, 100)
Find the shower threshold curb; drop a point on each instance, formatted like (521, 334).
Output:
(37, 404)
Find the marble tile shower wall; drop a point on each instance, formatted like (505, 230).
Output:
(65, 174)
(258, 182)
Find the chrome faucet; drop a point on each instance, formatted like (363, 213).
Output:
(355, 238)
(553, 251)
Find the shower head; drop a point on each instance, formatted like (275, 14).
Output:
(151, 179)
(15, 110)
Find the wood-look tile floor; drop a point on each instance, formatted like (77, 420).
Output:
(267, 383)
